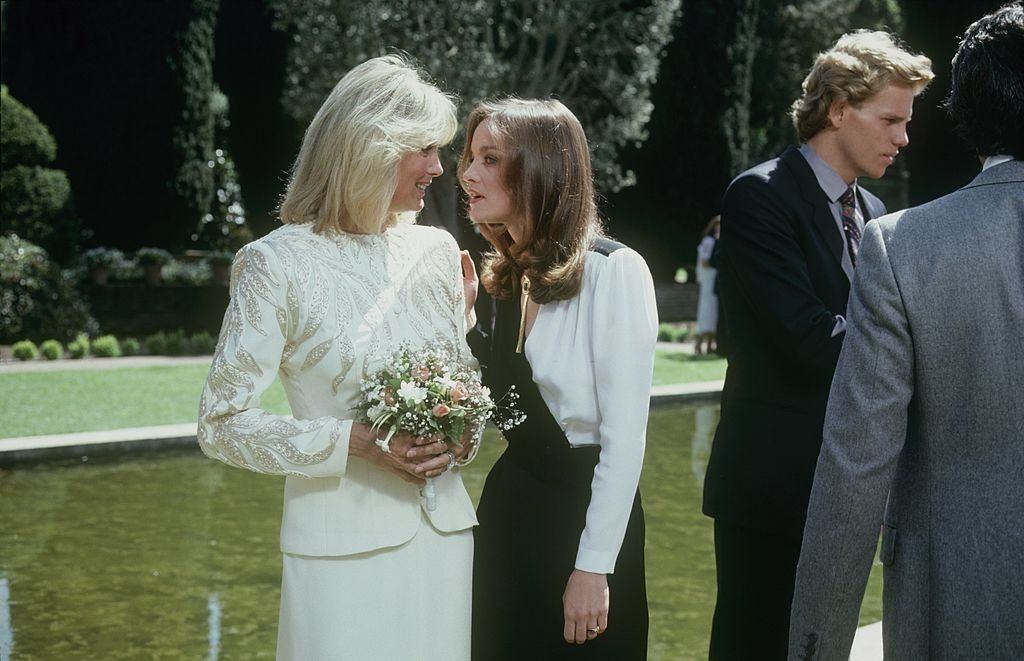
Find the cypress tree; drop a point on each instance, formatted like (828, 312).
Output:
(193, 138)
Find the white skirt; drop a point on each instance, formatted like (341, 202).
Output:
(407, 602)
(707, 304)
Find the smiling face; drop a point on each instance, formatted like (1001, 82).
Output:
(489, 200)
(867, 137)
(415, 172)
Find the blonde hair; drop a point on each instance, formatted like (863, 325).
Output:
(546, 171)
(346, 172)
(858, 66)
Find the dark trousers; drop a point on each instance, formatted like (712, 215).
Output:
(526, 544)
(756, 573)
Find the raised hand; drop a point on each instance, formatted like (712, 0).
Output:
(470, 281)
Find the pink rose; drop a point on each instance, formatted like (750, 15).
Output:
(441, 410)
(420, 373)
(459, 392)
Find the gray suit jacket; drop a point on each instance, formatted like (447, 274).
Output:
(927, 407)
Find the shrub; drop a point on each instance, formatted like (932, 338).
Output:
(220, 258)
(130, 346)
(35, 200)
(185, 273)
(202, 343)
(34, 203)
(125, 270)
(79, 347)
(682, 333)
(97, 257)
(37, 300)
(52, 350)
(106, 346)
(23, 138)
(666, 333)
(152, 256)
(25, 350)
(156, 344)
(177, 343)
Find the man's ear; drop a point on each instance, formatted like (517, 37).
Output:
(837, 112)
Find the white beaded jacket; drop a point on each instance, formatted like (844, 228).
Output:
(320, 312)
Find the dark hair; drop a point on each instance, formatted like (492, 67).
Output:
(986, 102)
(548, 177)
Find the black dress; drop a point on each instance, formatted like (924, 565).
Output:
(532, 513)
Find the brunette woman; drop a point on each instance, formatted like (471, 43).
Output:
(559, 555)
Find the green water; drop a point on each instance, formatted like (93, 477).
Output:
(175, 556)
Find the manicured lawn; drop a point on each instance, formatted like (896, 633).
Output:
(91, 400)
(686, 368)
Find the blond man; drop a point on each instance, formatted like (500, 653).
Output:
(791, 230)
(924, 433)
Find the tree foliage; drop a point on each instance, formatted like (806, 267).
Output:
(223, 227)
(35, 200)
(193, 135)
(796, 33)
(599, 57)
(37, 300)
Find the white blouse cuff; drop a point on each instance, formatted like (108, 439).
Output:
(597, 562)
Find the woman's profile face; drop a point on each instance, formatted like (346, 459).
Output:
(415, 172)
(489, 201)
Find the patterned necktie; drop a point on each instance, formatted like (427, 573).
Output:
(850, 227)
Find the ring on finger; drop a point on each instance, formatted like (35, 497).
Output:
(451, 460)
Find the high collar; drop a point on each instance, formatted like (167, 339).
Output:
(829, 180)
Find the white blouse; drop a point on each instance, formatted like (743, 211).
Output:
(321, 312)
(592, 358)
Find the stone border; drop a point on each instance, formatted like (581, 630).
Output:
(82, 445)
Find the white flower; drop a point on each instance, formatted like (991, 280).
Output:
(410, 392)
(376, 411)
(445, 382)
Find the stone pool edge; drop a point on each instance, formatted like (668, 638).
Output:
(82, 445)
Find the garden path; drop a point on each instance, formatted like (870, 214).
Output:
(14, 366)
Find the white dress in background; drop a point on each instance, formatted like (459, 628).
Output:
(707, 304)
(369, 573)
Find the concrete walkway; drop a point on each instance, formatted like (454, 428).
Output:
(17, 366)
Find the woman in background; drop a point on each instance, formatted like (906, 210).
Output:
(559, 562)
(707, 304)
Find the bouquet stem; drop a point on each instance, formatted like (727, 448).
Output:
(430, 493)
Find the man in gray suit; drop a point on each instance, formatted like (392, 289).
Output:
(927, 404)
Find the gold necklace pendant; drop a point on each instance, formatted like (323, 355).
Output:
(524, 299)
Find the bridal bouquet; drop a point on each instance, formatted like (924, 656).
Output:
(427, 391)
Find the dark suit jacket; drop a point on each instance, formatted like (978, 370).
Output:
(782, 285)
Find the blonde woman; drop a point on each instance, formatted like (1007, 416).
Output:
(559, 565)
(368, 572)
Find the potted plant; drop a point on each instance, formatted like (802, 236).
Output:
(99, 261)
(152, 261)
(220, 264)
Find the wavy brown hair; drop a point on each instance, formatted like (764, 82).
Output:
(546, 171)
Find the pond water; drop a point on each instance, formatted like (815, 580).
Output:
(175, 556)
